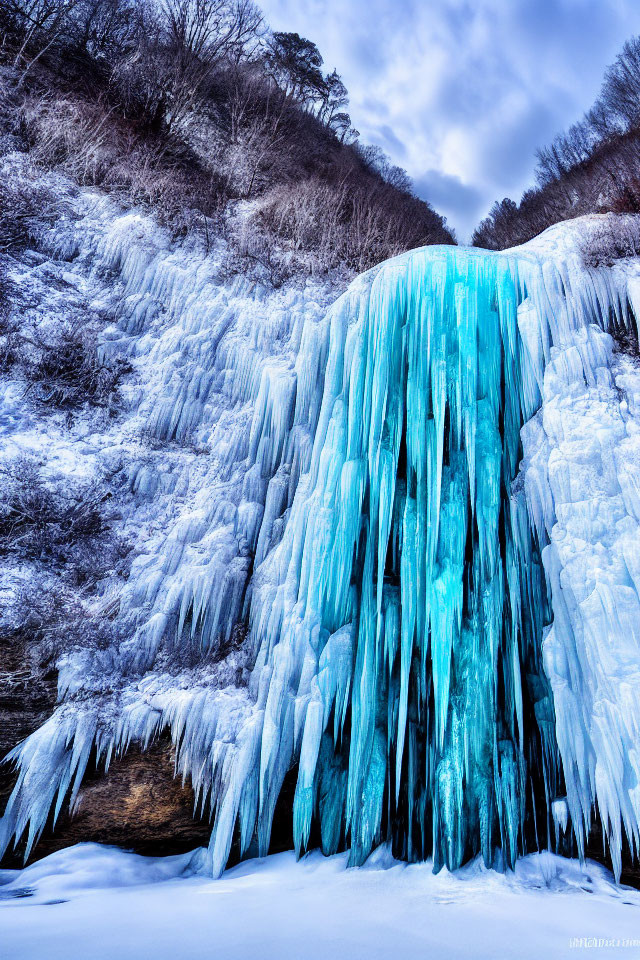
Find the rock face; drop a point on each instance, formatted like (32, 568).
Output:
(138, 804)
(27, 697)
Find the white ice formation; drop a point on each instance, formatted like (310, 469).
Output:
(373, 491)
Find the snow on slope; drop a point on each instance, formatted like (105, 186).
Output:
(98, 903)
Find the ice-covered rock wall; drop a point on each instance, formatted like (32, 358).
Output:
(347, 484)
(219, 421)
(581, 473)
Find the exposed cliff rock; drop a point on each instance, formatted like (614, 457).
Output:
(137, 804)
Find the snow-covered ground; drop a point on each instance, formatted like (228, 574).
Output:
(202, 459)
(99, 903)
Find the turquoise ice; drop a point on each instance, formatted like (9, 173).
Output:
(399, 622)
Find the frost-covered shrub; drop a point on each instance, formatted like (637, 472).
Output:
(82, 139)
(67, 372)
(69, 133)
(27, 208)
(347, 217)
(9, 327)
(64, 523)
(37, 518)
(41, 617)
(253, 253)
(5, 292)
(186, 200)
(615, 238)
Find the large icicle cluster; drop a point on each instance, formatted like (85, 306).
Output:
(360, 508)
(398, 623)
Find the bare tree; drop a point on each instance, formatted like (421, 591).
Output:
(40, 23)
(621, 88)
(201, 34)
(106, 29)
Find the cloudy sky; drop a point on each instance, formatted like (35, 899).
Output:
(461, 92)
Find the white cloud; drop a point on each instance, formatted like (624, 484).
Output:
(464, 90)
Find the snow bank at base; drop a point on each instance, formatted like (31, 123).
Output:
(92, 866)
(99, 903)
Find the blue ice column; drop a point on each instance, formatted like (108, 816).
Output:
(432, 721)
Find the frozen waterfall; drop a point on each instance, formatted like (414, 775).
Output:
(406, 501)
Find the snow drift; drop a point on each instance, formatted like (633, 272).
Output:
(101, 902)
